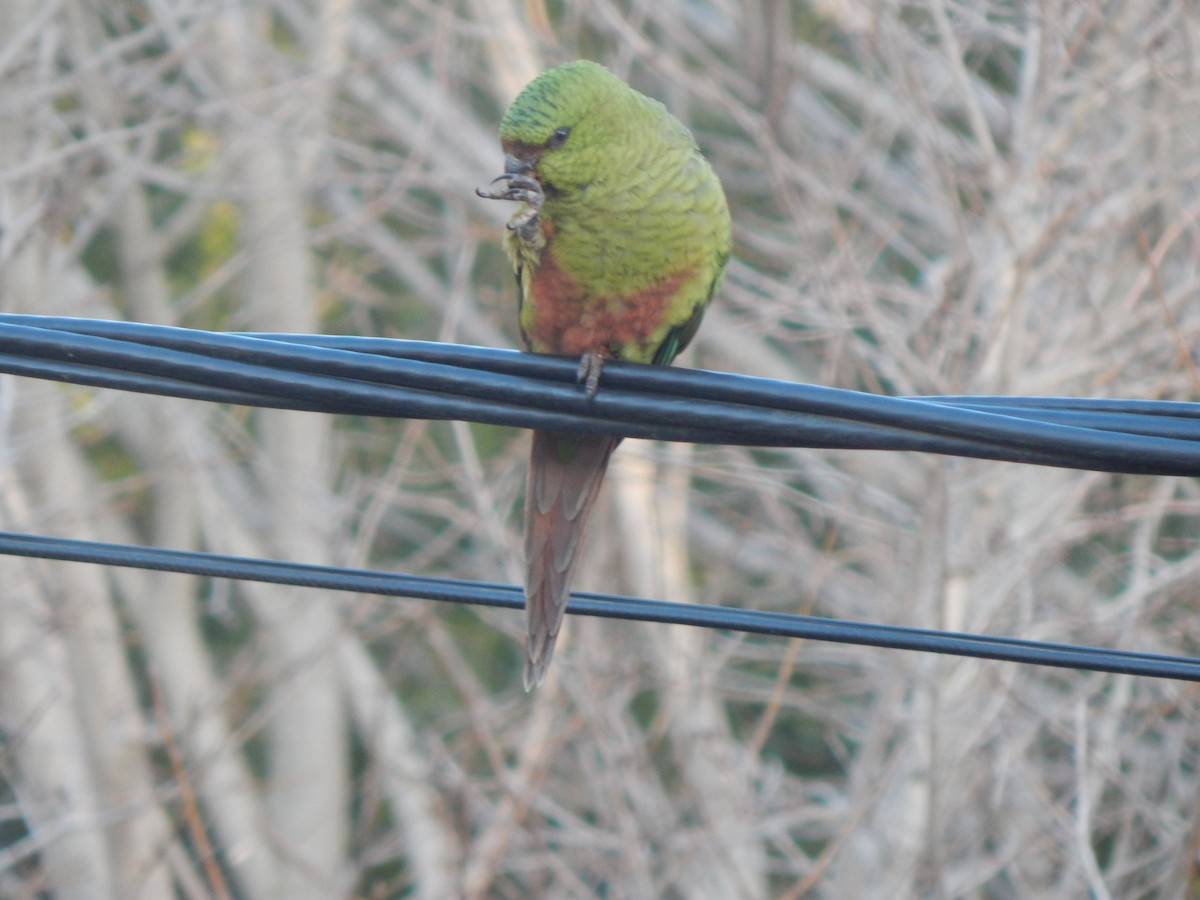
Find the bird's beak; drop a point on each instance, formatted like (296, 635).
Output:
(515, 165)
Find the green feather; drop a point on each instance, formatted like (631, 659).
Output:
(630, 202)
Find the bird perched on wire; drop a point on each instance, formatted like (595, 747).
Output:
(618, 246)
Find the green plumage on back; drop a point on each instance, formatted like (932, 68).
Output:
(629, 206)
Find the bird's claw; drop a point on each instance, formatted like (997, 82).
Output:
(588, 373)
(519, 188)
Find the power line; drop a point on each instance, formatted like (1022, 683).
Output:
(446, 590)
(413, 379)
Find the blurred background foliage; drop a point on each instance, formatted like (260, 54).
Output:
(928, 197)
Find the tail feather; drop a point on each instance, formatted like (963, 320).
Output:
(565, 474)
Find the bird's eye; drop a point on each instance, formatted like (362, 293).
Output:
(558, 138)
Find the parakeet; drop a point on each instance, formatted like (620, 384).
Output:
(618, 245)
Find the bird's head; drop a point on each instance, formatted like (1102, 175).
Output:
(571, 125)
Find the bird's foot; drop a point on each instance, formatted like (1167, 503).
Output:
(588, 373)
(519, 188)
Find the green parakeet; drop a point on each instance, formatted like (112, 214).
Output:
(618, 246)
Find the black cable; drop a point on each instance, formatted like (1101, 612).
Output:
(374, 376)
(392, 584)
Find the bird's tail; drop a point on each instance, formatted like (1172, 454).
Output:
(565, 473)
